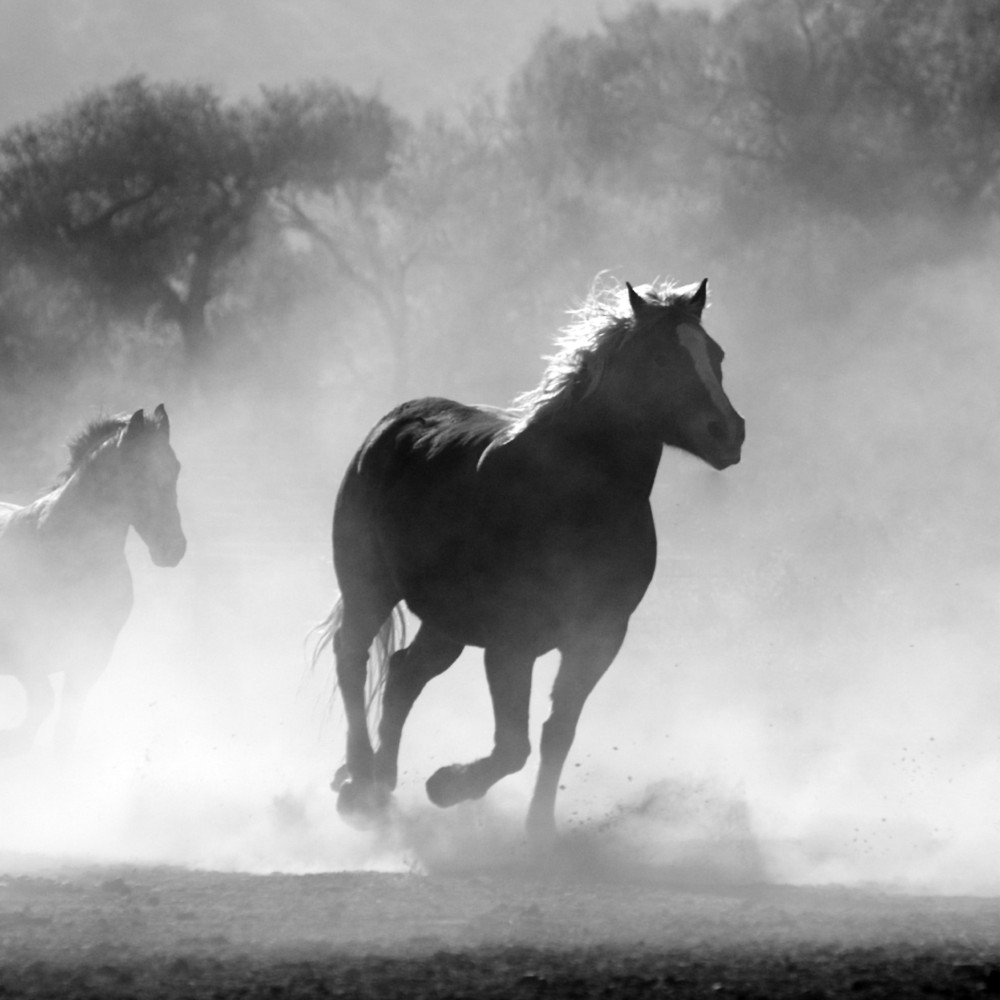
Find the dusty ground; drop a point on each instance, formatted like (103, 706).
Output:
(158, 932)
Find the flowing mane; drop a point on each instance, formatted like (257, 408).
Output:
(599, 328)
(85, 444)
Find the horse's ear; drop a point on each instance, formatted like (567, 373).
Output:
(636, 301)
(161, 418)
(700, 297)
(136, 424)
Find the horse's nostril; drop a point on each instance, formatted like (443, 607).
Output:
(717, 430)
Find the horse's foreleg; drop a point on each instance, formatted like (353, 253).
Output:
(410, 669)
(509, 676)
(583, 664)
(41, 701)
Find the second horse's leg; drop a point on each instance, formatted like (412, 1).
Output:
(509, 675)
(78, 682)
(41, 700)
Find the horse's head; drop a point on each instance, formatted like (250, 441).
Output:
(151, 469)
(674, 376)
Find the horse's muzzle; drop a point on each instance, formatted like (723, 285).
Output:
(724, 461)
(168, 555)
(724, 446)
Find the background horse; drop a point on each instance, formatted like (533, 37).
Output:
(520, 531)
(65, 586)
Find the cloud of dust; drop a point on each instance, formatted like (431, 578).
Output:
(808, 692)
(813, 672)
(207, 741)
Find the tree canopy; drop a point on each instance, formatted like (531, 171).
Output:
(140, 197)
(866, 106)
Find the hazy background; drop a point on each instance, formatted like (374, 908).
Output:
(810, 685)
(420, 57)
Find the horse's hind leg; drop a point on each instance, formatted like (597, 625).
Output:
(359, 795)
(509, 675)
(583, 664)
(430, 654)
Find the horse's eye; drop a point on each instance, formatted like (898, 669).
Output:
(660, 359)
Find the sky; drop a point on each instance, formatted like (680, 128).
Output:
(429, 56)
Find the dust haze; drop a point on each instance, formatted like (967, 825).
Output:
(808, 693)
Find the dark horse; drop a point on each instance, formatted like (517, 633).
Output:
(520, 531)
(65, 586)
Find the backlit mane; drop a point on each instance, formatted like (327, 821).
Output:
(85, 444)
(600, 326)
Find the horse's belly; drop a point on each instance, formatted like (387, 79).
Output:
(487, 565)
(536, 606)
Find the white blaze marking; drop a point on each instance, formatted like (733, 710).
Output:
(693, 341)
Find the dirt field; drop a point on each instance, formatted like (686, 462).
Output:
(158, 932)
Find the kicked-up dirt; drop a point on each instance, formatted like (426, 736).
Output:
(535, 932)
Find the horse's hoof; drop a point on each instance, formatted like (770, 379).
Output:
(445, 786)
(363, 805)
(340, 778)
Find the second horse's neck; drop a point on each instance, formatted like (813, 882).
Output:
(87, 512)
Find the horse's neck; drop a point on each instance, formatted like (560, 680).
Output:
(85, 511)
(587, 432)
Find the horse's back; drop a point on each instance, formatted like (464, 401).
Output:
(406, 487)
(431, 429)
(421, 452)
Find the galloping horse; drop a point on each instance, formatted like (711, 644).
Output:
(65, 586)
(519, 530)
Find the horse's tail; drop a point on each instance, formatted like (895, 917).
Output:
(325, 631)
(391, 636)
